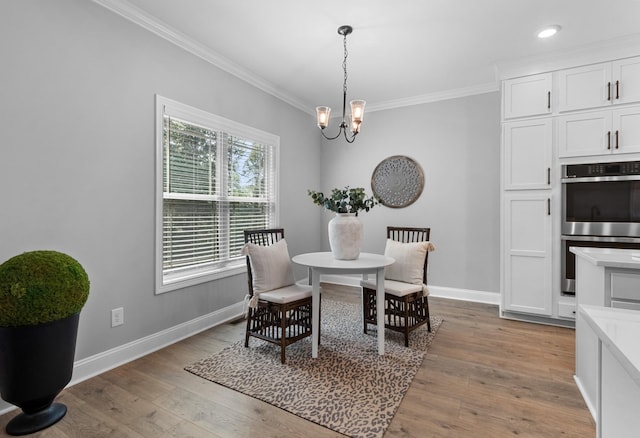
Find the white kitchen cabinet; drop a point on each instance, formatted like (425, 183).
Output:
(584, 87)
(527, 96)
(567, 308)
(599, 85)
(584, 114)
(625, 286)
(627, 73)
(527, 155)
(590, 290)
(617, 369)
(584, 134)
(599, 132)
(527, 253)
(625, 130)
(527, 148)
(604, 277)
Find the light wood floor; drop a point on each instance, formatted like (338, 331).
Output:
(482, 377)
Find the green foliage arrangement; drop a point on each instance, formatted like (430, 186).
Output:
(345, 200)
(41, 286)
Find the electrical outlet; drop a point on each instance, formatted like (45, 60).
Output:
(117, 317)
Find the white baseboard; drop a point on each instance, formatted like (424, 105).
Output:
(477, 296)
(86, 368)
(434, 291)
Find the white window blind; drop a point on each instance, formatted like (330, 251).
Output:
(218, 178)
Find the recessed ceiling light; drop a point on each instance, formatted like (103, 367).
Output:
(549, 31)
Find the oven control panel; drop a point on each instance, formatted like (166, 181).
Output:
(603, 169)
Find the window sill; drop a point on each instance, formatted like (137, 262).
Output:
(175, 282)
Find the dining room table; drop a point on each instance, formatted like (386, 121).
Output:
(324, 263)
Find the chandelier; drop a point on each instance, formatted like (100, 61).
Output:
(357, 106)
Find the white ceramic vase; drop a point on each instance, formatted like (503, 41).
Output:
(345, 236)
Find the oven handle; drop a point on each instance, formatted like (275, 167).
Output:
(600, 179)
(616, 239)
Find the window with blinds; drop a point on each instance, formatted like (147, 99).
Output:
(218, 178)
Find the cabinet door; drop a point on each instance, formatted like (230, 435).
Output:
(584, 87)
(626, 80)
(626, 130)
(527, 253)
(527, 149)
(585, 134)
(624, 285)
(527, 96)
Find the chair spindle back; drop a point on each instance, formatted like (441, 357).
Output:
(409, 235)
(263, 238)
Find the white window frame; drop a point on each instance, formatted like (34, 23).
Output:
(190, 277)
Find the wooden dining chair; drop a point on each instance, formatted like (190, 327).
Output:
(406, 294)
(279, 309)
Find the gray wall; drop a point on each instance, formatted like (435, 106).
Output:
(77, 88)
(457, 144)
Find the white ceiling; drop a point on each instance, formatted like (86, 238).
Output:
(400, 52)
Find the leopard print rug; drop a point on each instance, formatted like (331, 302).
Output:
(349, 388)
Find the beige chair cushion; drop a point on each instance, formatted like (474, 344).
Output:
(270, 266)
(409, 264)
(287, 294)
(397, 288)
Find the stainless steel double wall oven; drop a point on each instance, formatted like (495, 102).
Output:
(600, 208)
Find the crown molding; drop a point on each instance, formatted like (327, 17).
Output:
(435, 97)
(163, 30)
(618, 48)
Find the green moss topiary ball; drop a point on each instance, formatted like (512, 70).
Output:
(39, 287)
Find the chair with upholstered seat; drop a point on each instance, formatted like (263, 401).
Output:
(279, 310)
(406, 304)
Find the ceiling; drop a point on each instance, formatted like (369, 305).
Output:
(400, 52)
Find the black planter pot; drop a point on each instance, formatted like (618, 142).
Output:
(36, 363)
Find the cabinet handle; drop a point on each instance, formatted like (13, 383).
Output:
(548, 206)
(608, 90)
(616, 139)
(609, 140)
(548, 99)
(548, 176)
(617, 89)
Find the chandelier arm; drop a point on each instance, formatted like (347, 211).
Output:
(336, 136)
(350, 139)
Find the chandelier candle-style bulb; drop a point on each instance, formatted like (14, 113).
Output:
(323, 113)
(355, 126)
(357, 110)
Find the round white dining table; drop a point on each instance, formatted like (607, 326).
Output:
(320, 263)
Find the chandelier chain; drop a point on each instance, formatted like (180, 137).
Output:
(344, 64)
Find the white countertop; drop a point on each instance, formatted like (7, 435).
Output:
(609, 257)
(619, 330)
